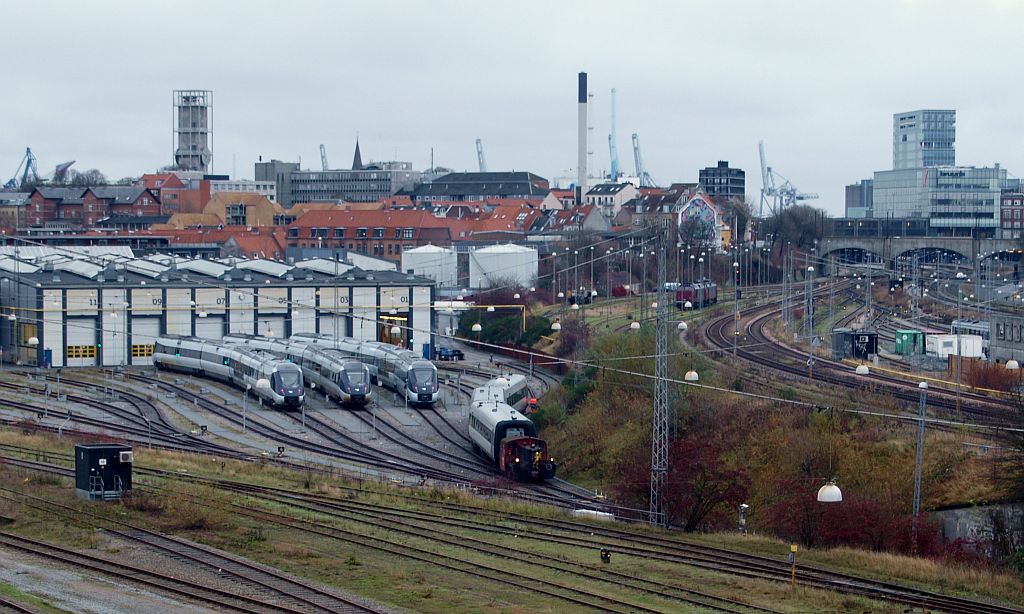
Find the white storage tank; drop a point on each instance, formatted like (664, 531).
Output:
(437, 263)
(944, 346)
(489, 265)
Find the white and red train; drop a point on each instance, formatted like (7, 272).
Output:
(506, 436)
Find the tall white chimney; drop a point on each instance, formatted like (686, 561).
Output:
(581, 164)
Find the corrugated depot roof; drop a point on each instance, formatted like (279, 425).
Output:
(38, 251)
(266, 267)
(11, 265)
(81, 268)
(204, 267)
(322, 265)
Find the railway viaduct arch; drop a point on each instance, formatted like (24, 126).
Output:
(888, 249)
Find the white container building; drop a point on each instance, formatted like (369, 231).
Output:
(944, 346)
(489, 266)
(437, 263)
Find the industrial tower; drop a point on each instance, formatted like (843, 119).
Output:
(193, 130)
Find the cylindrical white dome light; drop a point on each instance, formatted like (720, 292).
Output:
(477, 328)
(634, 326)
(863, 370)
(556, 325)
(516, 296)
(575, 306)
(683, 327)
(691, 376)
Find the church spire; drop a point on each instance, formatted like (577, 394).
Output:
(357, 160)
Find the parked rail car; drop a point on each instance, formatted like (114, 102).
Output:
(400, 370)
(699, 294)
(509, 440)
(274, 381)
(511, 390)
(343, 379)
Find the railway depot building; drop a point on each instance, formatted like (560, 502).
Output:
(105, 307)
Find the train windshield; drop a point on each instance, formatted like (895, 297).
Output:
(421, 376)
(290, 379)
(515, 432)
(356, 377)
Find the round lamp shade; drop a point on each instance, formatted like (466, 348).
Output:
(1012, 364)
(688, 305)
(575, 306)
(490, 308)
(863, 370)
(263, 383)
(634, 326)
(691, 376)
(477, 328)
(556, 325)
(33, 341)
(830, 493)
(516, 296)
(683, 327)
(561, 295)
(396, 331)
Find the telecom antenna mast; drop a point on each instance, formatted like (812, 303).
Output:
(480, 156)
(323, 157)
(613, 151)
(659, 426)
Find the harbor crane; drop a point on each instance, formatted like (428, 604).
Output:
(777, 191)
(646, 181)
(480, 156)
(613, 151)
(28, 162)
(323, 157)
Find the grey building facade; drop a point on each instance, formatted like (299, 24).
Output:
(859, 199)
(481, 186)
(372, 182)
(925, 137)
(723, 182)
(280, 173)
(955, 200)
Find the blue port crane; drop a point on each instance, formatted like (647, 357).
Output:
(28, 162)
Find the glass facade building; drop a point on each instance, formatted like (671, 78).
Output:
(923, 138)
(956, 200)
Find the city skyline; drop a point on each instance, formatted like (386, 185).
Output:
(407, 78)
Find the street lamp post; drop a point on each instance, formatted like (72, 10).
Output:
(809, 314)
(918, 461)
(959, 317)
(736, 306)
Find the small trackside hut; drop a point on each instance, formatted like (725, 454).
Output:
(103, 471)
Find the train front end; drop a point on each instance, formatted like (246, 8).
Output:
(525, 459)
(421, 385)
(355, 383)
(286, 386)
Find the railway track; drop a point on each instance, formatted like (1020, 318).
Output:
(447, 523)
(769, 353)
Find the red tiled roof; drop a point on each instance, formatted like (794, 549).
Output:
(385, 218)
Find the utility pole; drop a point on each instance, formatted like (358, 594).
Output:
(659, 426)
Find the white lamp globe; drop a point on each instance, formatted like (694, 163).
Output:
(556, 325)
(683, 327)
(830, 493)
(691, 376)
(477, 328)
(863, 370)
(1012, 365)
(634, 326)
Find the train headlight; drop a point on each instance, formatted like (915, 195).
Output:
(517, 460)
(552, 459)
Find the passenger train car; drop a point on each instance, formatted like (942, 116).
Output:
(401, 370)
(271, 379)
(507, 437)
(511, 390)
(341, 378)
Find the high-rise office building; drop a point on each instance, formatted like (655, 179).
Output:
(923, 138)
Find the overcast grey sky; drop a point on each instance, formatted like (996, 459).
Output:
(698, 80)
